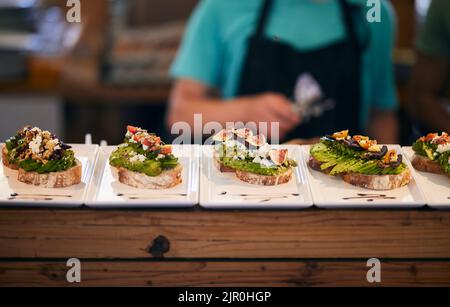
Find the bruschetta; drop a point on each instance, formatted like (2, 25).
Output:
(360, 161)
(251, 158)
(41, 159)
(144, 161)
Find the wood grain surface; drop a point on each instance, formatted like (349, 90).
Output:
(209, 234)
(224, 248)
(225, 274)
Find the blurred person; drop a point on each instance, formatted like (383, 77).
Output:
(258, 54)
(429, 106)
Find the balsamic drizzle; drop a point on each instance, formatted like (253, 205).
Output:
(138, 196)
(263, 198)
(250, 195)
(369, 197)
(16, 196)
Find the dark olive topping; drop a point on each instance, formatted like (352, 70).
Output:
(377, 155)
(57, 155)
(398, 162)
(65, 146)
(352, 144)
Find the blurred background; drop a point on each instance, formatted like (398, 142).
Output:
(78, 78)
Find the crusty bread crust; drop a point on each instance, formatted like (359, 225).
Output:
(253, 178)
(62, 179)
(5, 159)
(373, 182)
(222, 168)
(167, 179)
(379, 182)
(265, 180)
(315, 165)
(424, 164)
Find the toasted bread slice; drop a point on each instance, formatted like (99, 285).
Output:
(254, 178)
(265, 180)
(222, 168)
(379, 182)
(5, 159)
(373, 182)
(424, 164)
(61, 179)
(167, 179)
(315, 165)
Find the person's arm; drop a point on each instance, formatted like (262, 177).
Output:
(383, 126)
(430, 74)
(191, 97)
(198, 69)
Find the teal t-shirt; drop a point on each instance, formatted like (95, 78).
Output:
(216, 42)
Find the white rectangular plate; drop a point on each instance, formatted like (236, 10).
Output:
(225, 191)
(107, 192)
(333, 192)
(436, 188)
(14, 193)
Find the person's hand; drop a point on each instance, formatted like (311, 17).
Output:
(271, 108)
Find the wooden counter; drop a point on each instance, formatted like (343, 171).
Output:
(225, 248)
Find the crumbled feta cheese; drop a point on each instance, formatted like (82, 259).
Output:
(263, 151)
(160, 156)
(257, 159)
(136, 158)
(443, 148)
(145, 147)
(266, 163)
(35, 144)
(123, 145)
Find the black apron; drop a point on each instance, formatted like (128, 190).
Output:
(275, 66)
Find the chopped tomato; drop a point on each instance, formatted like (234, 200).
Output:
(132, 129)
(138, 137)
(166, 150)
(443, 139)
(146, 142)
(430, 136)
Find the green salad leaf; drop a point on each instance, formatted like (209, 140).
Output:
(425, 149)
(67, 161)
